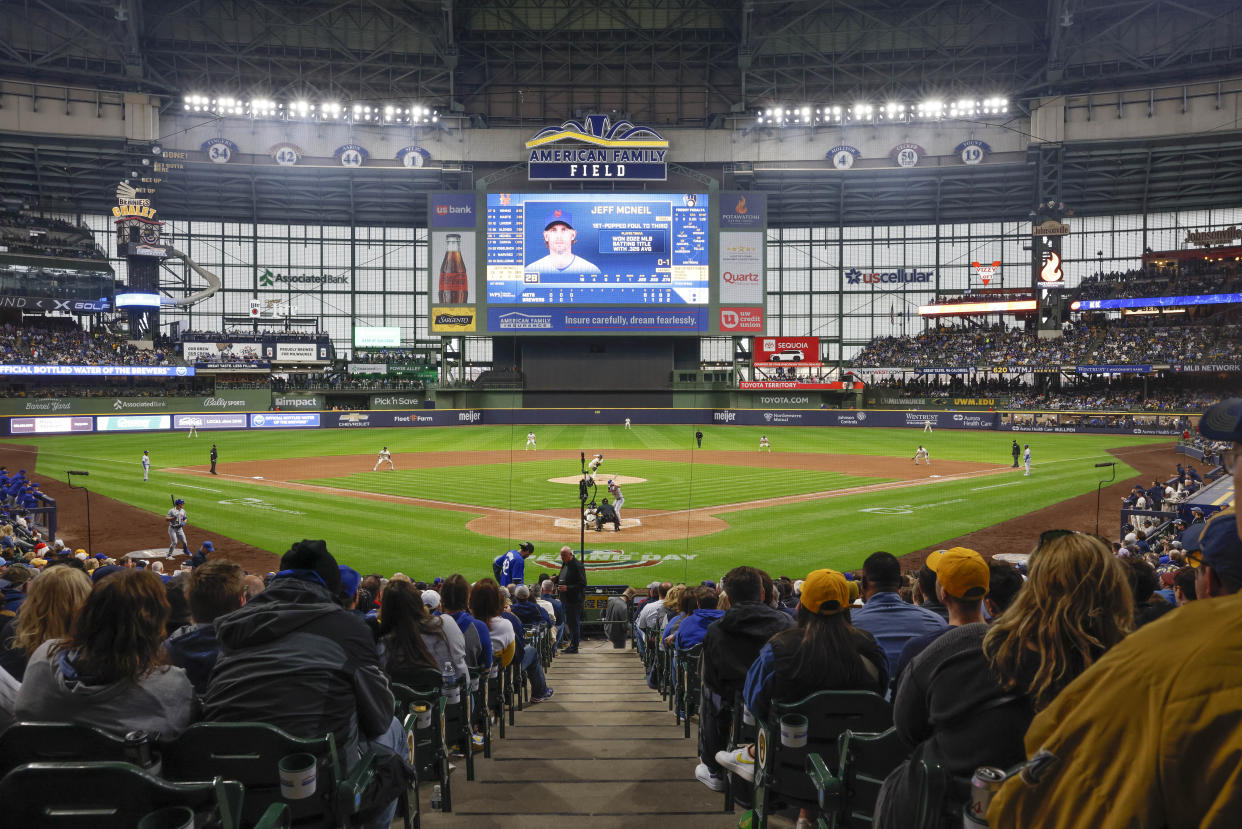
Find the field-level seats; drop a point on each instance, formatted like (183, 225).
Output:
(118, 795)
(251, 753)
(422, 711)
(847, 795)
(689, 683)
(781, 779)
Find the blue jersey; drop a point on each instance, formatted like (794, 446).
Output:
(511, 568)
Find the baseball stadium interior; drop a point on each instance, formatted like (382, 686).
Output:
(403, 276)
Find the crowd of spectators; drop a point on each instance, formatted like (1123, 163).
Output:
(59, 341)
(40, 236)
(398, 356)
(1128, 343)
(239, 335)
(1189, 278)
(339, 381)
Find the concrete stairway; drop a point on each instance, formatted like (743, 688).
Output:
(603, 753)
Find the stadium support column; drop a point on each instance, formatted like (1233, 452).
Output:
(1047, 230)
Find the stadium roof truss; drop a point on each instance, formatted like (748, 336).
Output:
(672, 62)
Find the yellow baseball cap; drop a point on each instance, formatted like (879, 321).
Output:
(825, 592)
(961, 572)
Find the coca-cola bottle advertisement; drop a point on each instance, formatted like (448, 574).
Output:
(453, 268)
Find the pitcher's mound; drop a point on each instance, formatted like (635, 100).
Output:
(600, 478)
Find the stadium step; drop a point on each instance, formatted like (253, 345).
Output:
(604, 751)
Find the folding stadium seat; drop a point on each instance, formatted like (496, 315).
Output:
(49, 742)
(848, 797)
(781, 778)
(115, 795)
(251, 753)
(481, 706)
(423, 713)
(689, 683)
(742, 731)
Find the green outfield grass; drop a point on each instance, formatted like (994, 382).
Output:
(383, 537)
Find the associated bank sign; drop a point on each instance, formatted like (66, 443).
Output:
(596, 148)
(854, 276)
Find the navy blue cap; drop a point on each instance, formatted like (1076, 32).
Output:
(1220, 545)
(106, 570)
(1223, 421)
(350, 579)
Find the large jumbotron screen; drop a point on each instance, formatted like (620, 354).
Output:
(631, 249)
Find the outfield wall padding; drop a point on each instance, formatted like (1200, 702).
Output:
(376, 418)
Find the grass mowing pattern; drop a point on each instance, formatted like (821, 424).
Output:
(792, 539)
(669, 486)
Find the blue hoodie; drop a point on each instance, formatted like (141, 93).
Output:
(694, 627)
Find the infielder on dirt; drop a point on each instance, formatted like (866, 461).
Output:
(384, 457)
(176, 519)
(921, 455)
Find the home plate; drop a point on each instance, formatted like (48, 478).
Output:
(600, 478)
(571, 524)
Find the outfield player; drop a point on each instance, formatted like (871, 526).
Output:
(927, 429)
(921, 455)
(146, 464)
(384, 457)
(176, 519)
(193, 433)
(1026, 459)
(763, 443)
(618, 500)
(627, 425)
(510, 568)
(530, 441)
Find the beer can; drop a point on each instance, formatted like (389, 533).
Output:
(983, 787)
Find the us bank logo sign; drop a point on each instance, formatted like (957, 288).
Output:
(595, 148)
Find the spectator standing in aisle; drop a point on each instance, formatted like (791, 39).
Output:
(572, 583)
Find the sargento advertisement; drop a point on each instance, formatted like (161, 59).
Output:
(787, 351)
(597, 249)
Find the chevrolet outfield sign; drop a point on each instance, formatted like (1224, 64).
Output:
(597, 149)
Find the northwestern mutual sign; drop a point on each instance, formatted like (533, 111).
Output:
(595, 149)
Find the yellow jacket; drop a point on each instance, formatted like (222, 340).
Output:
(1149, 736)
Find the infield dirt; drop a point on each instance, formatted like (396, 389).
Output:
(118, 527)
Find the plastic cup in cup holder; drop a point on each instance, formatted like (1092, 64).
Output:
(794, 728)
(298, 776)
(422, 716)
(452, 694)
(170, 817)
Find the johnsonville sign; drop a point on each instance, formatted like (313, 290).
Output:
(597, 149)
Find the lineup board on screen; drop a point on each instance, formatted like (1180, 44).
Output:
(597, 249)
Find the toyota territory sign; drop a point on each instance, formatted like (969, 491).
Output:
(787, 351)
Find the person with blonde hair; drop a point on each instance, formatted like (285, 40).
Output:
(53, 601)
(968, 698)
(111, 672)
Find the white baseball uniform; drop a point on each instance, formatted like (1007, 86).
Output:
(594, 464)
(530, 440)
(763, 443)
(922, 455)
(627, 424)
(193, 430)
(384, 457)
(927, 426)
